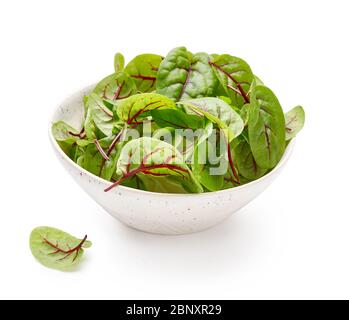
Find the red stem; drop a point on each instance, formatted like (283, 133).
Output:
(111, 148)
(100, 149)
(231, 162)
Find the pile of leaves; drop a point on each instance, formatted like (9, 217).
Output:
(210, 94)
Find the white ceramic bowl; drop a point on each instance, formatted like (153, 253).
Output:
(161, 213)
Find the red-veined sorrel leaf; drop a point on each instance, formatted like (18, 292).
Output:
(245, 161)
(183, 76)
(134, 109)
(57, 249)
(294, 119)
(143, 70)
(116, 87)
(102, 117)
(266, 127)
(235, 76)
(119, 62)
(218, 112)
(158, 164)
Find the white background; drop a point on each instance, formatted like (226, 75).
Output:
(291, 242)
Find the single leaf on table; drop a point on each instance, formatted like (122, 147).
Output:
(116, 86)
(57, 249)
(246, 164)
(183, 75)
(266, 127)
(236, 77)
(102, 117)
(119, 62)
(294, 119)
(218, 112)
(177, 119)
(158, 164)
(143, 70)
(134, 109)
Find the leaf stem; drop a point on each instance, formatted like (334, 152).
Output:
(111, 148)
(231, 162)
(100, 149)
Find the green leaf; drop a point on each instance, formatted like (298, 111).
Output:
(217, 111)
(89, 125)
(158, 164)
(202, 168)
(143, 70)
(116, 86)
(119, 62)
(69, 139)
(183, 75)
(177, 119)
(101, 115)
(246, 164)
(137, 107)
(266, 128)
(235, 76)
(62, 131)
(109, 166)
(294, 119)
(57, 249)
(92, 160)
(244, 113)
(258, 81)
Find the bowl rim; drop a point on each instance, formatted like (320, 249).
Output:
(288, 151)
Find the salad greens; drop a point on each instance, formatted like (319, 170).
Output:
(184, 123)
(57, 249)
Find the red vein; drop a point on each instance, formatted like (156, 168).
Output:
(232, 181)
(238, 84)
(106, 111)
(289, 122)
(66, 252)
(142, 169)
(142, 110)
(231, 162)
(110, 149)
(120, 87)
(80, 135)
(146, 78)
(267, 138)
(185, 83)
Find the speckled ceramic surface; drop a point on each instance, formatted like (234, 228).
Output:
(157, 212)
